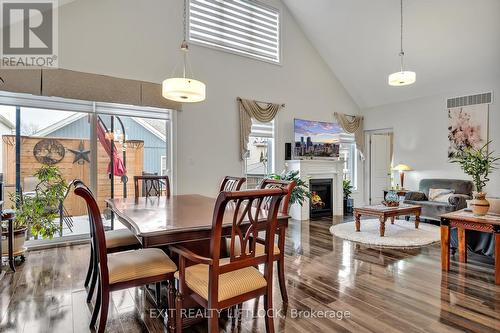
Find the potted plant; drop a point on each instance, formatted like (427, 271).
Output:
(478, 164)
(20, 229)
(300, 192)
(39, 211)
(348, 201)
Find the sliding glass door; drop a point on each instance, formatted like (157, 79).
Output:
(104, 145)
(128, 146)
(60, 141)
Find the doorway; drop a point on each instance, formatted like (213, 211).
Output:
(380, 155)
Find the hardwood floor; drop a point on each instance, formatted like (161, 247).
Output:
(376, 290)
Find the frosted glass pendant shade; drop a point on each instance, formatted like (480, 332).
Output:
(402, 78)
(183, 90)
(402, 167)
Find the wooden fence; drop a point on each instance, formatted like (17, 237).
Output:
(70, 168)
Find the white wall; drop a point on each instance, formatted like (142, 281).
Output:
(140, 40)
(420, 135)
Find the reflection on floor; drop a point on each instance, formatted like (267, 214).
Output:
(81, 225)
(80, 228)
(365, 290)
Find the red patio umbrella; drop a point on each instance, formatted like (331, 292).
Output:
(119, 167)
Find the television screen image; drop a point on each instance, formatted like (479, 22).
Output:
(316, 139)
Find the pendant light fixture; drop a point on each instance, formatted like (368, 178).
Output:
(183, 89)
(402, 78)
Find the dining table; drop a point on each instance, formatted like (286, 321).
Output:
(160, 221)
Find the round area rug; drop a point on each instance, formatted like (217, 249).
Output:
(401, 234)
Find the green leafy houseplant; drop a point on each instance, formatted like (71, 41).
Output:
(348, 202)
(477, 163)
(300, 192)
(41, 210)
(347, 187)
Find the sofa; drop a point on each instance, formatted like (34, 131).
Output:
(431, 210)
(477, 242)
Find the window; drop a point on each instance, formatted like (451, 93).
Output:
(260, 160)
(244, 27)
(348, 152)
(163, 164)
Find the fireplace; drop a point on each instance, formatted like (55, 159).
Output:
(321, 203)
(309, 170)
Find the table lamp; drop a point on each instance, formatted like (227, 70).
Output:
(402, 168)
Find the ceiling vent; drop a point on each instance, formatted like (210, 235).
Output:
(485, 98)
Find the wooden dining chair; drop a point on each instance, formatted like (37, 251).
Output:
(152, 186)
(230, 183)
(220, 283)
(279, 249)
(124, 269)
(116, 241)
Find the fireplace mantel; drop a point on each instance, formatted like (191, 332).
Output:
(318, 169)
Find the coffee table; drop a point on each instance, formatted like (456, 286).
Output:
(383, 213)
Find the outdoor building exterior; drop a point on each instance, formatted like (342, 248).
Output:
(151, 131)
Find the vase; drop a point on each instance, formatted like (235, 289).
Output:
(479, 204)
(392, 196)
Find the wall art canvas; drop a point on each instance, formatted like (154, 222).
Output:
(467, 127)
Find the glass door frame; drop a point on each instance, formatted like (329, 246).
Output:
(93, 109)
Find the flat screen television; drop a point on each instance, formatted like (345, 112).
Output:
(316, 139)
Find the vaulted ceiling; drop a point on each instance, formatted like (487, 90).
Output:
(452, 45)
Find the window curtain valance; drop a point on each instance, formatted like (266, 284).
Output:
(353, 125)
(260, 111)
(85, 86)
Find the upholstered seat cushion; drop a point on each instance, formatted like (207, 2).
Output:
(231, 284)
(120, 237)
(260, 249)
(142, 263)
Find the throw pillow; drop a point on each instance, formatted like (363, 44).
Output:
(440, 194)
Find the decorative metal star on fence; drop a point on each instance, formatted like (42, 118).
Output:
(81, 155)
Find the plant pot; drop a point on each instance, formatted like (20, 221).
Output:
(19, 238)
(348, 205)
(479, 204)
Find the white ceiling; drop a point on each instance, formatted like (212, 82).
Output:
(452, 45)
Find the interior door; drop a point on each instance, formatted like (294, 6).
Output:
(380, 166)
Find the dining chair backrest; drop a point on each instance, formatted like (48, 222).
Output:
(74, 183)
(244, 210)
(230, 183)
(152, 186)
(283, 184)
(98, 237)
